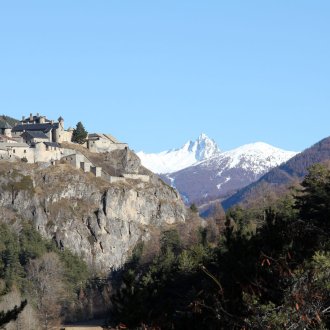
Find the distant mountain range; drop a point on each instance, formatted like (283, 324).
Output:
(280, 178)
(202, 173)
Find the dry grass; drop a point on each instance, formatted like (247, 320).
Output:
(109, 161)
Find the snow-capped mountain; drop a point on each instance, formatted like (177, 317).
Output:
(277, 180)
(175, 160)
(258, 157)
(226, 172)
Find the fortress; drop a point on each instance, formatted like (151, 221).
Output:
(37, 139)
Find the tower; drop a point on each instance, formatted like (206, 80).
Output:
(5, 129)
(59, 130)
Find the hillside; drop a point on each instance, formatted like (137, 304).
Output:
(279, 178)
(113, 162)
(274, 276)
(98, 220)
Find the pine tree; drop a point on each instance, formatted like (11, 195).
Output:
(79, 134)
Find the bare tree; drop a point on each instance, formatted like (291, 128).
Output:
(47, 288)
(26, 319)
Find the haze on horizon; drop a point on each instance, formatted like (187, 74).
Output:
(158, 74)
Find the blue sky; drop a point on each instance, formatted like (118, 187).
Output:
(157, 73)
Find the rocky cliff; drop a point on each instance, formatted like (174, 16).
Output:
(99, 221)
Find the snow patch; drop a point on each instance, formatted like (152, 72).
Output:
(222, 183)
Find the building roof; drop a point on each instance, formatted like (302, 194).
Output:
(35, 119)
(52, 144)
(97, 136)
(4, 125)
(46, 127)
(6, 138)
(37, 135)
(111, 138)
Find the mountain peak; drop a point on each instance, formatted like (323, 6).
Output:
(205, 148)
(203, 136)
(190, 153)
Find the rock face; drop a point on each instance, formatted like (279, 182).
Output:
(99, 221)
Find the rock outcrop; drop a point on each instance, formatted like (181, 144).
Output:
(99, 221)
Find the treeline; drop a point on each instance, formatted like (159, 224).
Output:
(11, 121)
(269, 269)
(43, 281)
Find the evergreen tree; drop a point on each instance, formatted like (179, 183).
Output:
(79, 134)
(272, 276)
(194, 208)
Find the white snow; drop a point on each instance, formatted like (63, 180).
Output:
(221, 184)
(257, 157)
(175, 160)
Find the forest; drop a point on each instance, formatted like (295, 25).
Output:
(266, 269)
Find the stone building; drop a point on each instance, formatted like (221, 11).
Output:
(33, 137)
(38, 139)
(14, 151)
(7, 139)
(54, 131)
(98, 142)
(5, 129)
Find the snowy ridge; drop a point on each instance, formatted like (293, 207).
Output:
(175, 160)
(257, 157)
(200, 172)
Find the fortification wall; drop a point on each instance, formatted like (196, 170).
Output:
(41, 154)
(144, 178)
(65, 136)
(20, 151)
(114, 179)
(75, 160)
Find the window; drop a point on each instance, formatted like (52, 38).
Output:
(25, 151)
(13, 150)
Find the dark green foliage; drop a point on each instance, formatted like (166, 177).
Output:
(79, 134)
(194, 208)
(11, 270)
(11, 315)
(276, 276)
(32, 245)
(18, 249)
(76, 271)
(170, 241)
(155, 292)
(11, 121)
(314, 203)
